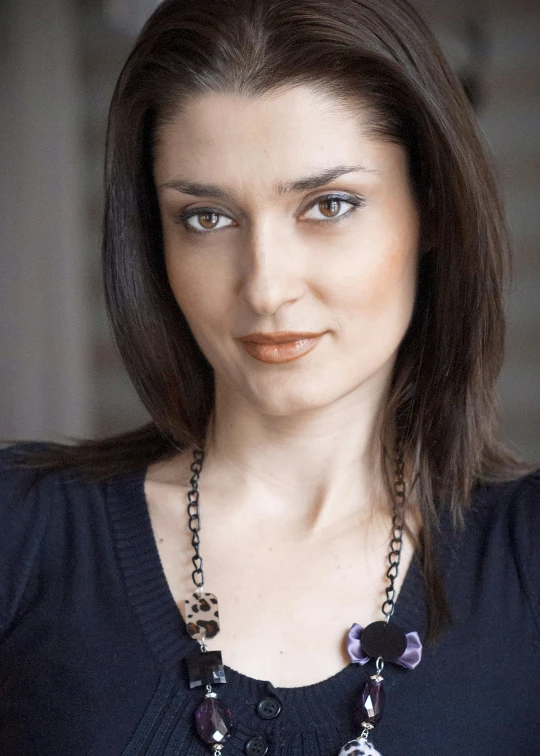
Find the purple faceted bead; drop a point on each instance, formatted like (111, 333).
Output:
(372, 706)
(214, 721)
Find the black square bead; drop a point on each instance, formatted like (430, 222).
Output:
(205, 668)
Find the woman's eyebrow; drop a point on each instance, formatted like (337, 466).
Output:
(313, 181)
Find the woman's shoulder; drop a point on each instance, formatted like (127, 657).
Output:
(25, 483)
(13, 459)
(503, 527)
(22, 486)
(25, 503)
(44, 513)
(501, 519)
(516, 497)
(509, 508)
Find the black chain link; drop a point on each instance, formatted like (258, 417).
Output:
(195, 517)
(396, 543)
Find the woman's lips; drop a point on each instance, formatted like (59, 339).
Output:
(283, 352)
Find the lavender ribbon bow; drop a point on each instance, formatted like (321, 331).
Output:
(410, 658)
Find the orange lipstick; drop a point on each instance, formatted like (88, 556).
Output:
(283, 346)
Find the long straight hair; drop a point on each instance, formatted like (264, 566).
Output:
(377, 56)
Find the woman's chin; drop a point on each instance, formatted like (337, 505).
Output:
(290, 401)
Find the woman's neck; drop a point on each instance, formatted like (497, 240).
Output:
(310, 472)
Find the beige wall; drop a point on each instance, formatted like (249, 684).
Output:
(45, 362)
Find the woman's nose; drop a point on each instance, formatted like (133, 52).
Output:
(273, 269)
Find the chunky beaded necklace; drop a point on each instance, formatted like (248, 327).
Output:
(383, 641)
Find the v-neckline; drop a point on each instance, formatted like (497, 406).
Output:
(165, 629)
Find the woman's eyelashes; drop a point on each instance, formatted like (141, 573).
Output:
(327, 211)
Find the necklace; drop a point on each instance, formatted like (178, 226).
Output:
(383, 641)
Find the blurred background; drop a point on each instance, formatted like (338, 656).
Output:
(60, 376)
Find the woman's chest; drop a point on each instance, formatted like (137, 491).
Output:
(284, 613)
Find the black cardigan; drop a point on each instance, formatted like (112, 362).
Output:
(92, 645)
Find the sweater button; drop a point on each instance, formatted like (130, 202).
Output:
(268, 707)
(256, 746)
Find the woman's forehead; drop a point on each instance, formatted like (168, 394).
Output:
(279, 136)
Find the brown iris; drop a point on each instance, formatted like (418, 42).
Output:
(329, 207)
(208, 220)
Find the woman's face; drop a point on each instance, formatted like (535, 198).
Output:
(280, 213)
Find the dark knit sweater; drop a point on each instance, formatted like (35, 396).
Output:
(92, 645)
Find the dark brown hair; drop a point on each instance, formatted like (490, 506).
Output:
(370, 53)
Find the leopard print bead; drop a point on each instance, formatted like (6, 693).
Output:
(358, 747)
(202, 615)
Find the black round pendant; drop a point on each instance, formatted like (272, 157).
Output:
(384, 639)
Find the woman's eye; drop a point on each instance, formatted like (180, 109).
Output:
(205, 220)
(329, 208)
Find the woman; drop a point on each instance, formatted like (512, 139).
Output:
(304, 257)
